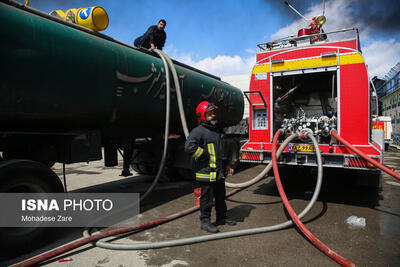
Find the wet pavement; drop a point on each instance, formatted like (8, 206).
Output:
(375, 244)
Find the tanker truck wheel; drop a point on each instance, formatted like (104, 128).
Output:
(25, 176)
(44, 154)
(135, 167)
(145, 162)
(143, 168)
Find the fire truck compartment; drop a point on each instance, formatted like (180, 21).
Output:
(309, 99)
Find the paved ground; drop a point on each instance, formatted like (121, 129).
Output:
(376, 244)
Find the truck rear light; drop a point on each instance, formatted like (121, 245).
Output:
(358, 162)
(250, 156)
(370, 165)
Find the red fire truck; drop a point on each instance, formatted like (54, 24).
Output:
(311, 82)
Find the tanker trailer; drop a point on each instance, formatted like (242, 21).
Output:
(68, 92)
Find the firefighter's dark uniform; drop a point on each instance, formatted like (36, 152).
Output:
(205, 145)
(152, 35)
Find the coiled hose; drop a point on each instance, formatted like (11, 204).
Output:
(167, 62)
(95, 238)
(197, 239)
(332, 254)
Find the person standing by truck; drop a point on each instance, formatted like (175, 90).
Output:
(204, 144)
(154, 37)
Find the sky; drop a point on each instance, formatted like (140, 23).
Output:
(221, 36)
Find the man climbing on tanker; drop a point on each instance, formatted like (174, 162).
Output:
(204, 144)
(154, 37)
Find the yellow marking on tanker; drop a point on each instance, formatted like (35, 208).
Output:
(94, 18)
(70, 16)
(58, 13)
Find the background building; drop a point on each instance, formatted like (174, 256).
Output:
(388, 91)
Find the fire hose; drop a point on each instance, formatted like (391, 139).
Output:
(364, 156)
(339, 259)
(192, 240)
(95, 237)
(88, 238)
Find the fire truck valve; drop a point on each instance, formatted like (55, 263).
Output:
(321, 126)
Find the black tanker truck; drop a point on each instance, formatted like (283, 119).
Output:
(69, 94)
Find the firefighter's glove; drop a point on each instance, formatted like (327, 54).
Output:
(228, 171)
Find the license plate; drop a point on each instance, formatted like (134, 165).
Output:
(303, 148)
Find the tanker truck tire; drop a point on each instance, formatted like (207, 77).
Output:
(135, 167)
(25, 176)
(145, 162)
(44, 154)
(143, 169)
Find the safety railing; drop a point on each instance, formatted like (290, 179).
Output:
(294, 40)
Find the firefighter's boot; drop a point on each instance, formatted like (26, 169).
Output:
(225, 222)
(206, 225)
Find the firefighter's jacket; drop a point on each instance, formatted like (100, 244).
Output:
(204, 144)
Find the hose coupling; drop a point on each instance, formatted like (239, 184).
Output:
(304, 132)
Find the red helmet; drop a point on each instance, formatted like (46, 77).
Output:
(202, 108)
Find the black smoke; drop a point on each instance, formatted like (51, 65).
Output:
(380, 15)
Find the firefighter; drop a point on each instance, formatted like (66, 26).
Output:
(204, 144)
